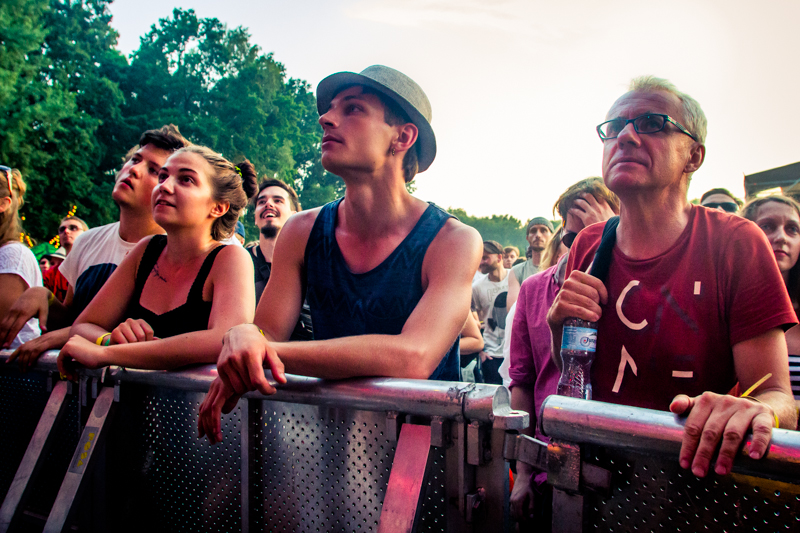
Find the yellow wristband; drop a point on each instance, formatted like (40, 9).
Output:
(101, 340)
(753, 399)
(50, 299)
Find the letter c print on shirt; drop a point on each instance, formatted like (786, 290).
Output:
(621, 315)
(625, 358)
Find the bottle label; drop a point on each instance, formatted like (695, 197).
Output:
(582, 339)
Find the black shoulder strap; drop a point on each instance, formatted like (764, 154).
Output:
(149, 260)
(602, 259)
(196, 291)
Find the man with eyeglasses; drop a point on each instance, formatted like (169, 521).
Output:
(681, 318)
(721, 199)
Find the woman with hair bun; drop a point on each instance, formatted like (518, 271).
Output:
(19, 269)
(170, 301)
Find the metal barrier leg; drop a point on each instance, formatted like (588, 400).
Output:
(14, 503)
(81, 462)
(409, 470)
(567, 512)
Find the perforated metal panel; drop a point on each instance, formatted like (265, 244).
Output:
(175, 481)
(22, 400)
(654, 494)
(434, 504)
(317, 469)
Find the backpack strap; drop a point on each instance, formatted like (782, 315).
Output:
(602, 258)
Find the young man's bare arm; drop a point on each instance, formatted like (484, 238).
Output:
(427, 335)
(414, 353)
(471, 339)
(513, 290)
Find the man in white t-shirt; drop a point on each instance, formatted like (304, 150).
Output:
(489, 301)
(97, 252)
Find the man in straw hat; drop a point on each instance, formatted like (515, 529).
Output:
(386, 298)
(681, 318)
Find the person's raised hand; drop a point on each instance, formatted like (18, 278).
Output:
(590, 210)
(241, 361)
(716, 418)
(579, 297)
(32, 303)
(132, 330)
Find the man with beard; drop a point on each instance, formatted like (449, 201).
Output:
(489, 301)
(275, 203)
(538, 233)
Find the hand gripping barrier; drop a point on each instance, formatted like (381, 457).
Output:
(615, 468)
(357, 455)
(118, 451)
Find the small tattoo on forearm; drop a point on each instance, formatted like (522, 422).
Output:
(157, 274)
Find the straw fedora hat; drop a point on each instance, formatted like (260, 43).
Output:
(400, 89)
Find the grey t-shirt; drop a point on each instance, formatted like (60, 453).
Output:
(524, 270)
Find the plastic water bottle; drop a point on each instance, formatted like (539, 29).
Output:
(578, 344)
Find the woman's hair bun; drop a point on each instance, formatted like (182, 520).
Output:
(249, 178)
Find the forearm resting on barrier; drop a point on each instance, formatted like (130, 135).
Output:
(159, 354)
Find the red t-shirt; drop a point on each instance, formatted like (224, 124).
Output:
(54, 280)
(671, 321)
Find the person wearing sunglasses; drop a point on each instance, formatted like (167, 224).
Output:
(721, 199)
(68, 232)
(533, 375)
(693, 301)
(19, 269)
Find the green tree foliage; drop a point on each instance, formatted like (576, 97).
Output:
(54, 99)
(223, 92)
(504, 229)
(71, 105)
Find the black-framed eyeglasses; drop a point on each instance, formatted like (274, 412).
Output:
(648, 123)
(7, 171)
(730, 207)
(568, 237)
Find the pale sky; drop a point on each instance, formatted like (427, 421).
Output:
(517, 87)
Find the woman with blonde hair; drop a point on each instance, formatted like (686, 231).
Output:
(174, 296)
(19, 269)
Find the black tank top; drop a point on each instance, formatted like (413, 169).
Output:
(379, 301)
(192, 315)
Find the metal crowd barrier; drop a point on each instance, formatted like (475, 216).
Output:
(615, 468)
(118, 451)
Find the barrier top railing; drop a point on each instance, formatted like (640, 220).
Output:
(654, 432)
(449, 400)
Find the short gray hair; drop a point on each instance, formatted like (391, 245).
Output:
(695, 119)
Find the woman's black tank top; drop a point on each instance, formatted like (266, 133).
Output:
(192, 315)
